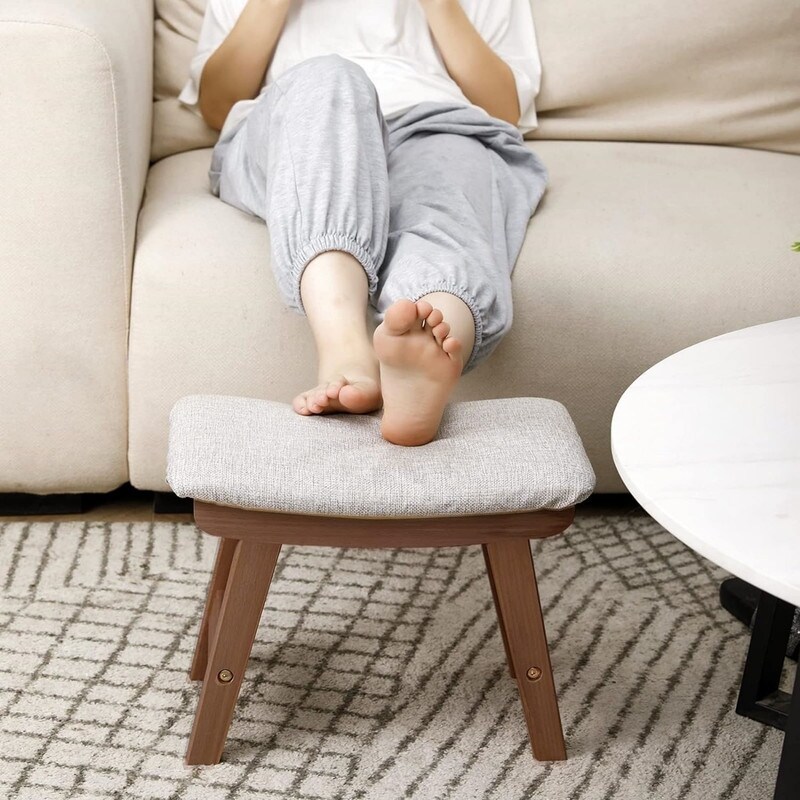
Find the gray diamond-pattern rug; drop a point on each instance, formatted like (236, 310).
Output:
(375, 673)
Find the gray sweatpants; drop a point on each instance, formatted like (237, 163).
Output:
(435, 198)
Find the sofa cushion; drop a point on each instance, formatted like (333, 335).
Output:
(635, 251)
(500, 456)
(715, 72)
(175, 127)
(720, 71)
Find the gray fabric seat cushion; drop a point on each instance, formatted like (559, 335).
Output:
(489, 457)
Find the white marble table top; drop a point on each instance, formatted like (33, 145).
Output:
(708, 442)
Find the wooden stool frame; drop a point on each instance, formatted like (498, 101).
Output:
(250, 542)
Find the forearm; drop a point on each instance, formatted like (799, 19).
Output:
(235, 70)
(484, 78)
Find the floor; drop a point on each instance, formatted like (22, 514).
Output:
(373, 674)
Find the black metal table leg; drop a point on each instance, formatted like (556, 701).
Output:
(741, 598)
(788, 783)
(759, 695)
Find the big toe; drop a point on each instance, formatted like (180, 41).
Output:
(400, 316)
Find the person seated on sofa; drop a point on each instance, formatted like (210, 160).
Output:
(382, 144)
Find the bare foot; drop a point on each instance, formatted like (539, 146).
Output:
(419, 368)
(353, 389)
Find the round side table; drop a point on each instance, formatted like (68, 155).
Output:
(708, 442)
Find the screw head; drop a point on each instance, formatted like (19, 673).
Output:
(533, 674)
(225, 675)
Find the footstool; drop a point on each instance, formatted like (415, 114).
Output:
(498, 473)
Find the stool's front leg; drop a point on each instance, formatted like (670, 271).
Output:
(229, 646)
(216, 590)
(499, 612)
(521, 612)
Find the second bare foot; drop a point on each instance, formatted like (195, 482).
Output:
(348, 389)
(419, 367)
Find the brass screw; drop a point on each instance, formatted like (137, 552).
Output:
(225, 675)
(533, 674)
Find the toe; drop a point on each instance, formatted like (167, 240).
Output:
(434, 318)
(312, 403)
(400, 316)
(452, 347)
(321, 397)
(424, 308)
(299, 405)
(440, 331)
(335, 386)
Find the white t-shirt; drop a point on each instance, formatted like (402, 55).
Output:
(390, 39)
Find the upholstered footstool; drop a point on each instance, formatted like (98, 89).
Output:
(499, 472)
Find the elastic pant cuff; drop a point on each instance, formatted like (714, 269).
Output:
(464, 295)
(332, 240)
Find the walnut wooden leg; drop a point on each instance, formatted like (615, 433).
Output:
(499, 612)
(230, 643)
(518, 597)
(216, 588)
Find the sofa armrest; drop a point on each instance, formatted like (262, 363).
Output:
(77, 86)
(75, 114)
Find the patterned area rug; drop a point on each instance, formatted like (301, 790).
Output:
(375, 674)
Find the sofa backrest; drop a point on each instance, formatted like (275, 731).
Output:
(703, 71)
(709, 72)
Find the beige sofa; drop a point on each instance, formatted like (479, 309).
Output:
(672, 136)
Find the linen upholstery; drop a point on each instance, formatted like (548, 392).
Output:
(718, 72)
(489, 456)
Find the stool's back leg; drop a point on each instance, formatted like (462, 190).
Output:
(216, 588)
(518, 596)
(229, 647)
(499, 612)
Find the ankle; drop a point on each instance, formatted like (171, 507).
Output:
(358, 359)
